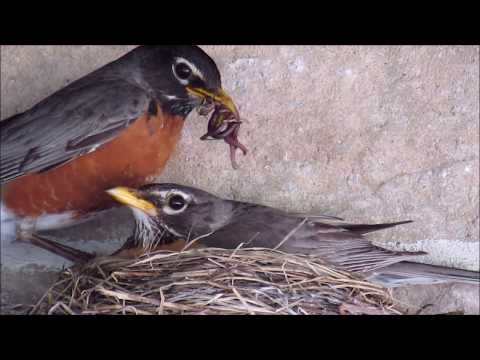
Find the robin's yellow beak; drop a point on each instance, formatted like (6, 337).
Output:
(218, 96)
(130, 197)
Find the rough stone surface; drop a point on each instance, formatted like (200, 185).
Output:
(368, 133)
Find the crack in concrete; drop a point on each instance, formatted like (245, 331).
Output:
(434, 169)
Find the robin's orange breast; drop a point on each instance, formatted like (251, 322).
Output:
(175, 246)
(139, 152)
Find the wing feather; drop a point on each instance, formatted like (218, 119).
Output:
(70, 123)
(332, 241)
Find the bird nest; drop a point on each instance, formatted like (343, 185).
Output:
(212, 282)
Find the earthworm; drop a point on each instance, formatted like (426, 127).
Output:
(222, 125)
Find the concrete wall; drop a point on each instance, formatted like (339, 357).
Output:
(368, 133)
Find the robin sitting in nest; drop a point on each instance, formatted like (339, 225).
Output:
(168, 211)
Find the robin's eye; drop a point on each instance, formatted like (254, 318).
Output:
(176, 202)
(182, 71)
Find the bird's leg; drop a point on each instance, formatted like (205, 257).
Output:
(67, 252)
(25, 232)
(77, 256)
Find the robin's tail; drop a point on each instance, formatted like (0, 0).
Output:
(410, 273)
(366, 228)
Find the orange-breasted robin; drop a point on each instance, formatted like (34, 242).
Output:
(116, 125)
(197, 216)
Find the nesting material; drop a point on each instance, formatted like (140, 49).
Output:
(213, 282)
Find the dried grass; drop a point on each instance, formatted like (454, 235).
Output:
(212, 282)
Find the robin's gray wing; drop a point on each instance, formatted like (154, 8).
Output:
(339, 222)
(70, 123)
(317, 217)
(262, 227)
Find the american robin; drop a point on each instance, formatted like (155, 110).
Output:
(117, 125)
(197, 216)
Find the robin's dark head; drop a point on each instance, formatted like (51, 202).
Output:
(183, 211)
(181, 77)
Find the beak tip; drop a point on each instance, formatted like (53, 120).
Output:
(219, 96)
(128, 196)
(234, 111)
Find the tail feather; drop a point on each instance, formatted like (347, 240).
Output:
(410, 273)
(366, 228)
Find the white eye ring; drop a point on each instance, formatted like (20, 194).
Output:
(173, 200)
(182, 72)
(194, 70)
